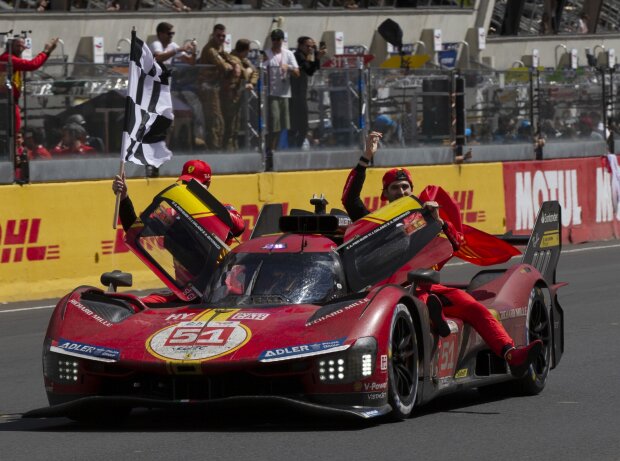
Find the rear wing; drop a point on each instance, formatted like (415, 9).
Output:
(545, 244)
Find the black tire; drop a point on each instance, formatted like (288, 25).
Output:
(538, 327)
(403, 363)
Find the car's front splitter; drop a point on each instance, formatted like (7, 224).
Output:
(101, 402)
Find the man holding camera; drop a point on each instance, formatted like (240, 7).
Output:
(308, 58)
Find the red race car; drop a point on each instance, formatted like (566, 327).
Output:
(319, 315)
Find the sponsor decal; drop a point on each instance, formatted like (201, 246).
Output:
(533, 188)
(607, 197)
(197, 340)
(413, 223)
(274, 246)
(513, 313)
(89, 313)
(301, 350)
(250, 316)
(465, 201)
(462, 373)
(370, 413)
(117, 245)
(88, 350)
(550, 239)
(361, 302)
(384, 363)
(19, 242)
(373, 203)
(549, 217)
(177, 317)
(370, 387)
(376, 396)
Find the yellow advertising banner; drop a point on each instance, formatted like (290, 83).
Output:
(54, 237)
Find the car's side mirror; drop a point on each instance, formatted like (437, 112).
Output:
(429, 276)
(116, 279)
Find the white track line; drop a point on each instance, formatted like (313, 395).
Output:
(27, 309)
(572, 250)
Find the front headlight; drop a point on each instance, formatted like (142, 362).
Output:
(354, 364)
(62, 369)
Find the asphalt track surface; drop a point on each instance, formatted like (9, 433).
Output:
(577, 416)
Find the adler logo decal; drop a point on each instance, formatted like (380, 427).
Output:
(301, 350)
(198, 340)
(88, 349)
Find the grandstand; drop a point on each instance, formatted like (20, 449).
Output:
(494, 81)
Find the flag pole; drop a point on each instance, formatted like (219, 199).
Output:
(121, 170)
(117, 205)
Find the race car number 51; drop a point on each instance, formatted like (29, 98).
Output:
(199, 336)
(198, 340)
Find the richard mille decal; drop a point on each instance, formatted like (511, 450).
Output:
(198, 340)
(513, 313)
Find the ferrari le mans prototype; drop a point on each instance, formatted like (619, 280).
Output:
(319, 314)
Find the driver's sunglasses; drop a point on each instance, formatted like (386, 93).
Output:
(171, 34)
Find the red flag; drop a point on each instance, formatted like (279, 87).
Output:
(449, 210)
(477, 247)
(484, 249)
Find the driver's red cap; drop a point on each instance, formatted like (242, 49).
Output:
(395, 174)
(198, 170)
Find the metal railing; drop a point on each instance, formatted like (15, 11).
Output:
(413, 108)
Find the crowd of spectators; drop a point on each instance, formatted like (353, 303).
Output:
(226, 79)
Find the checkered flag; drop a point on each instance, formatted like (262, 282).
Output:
(148, 108)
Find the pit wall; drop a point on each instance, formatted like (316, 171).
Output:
(57, 236)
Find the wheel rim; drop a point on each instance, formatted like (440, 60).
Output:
(539, 327)
(403, 359)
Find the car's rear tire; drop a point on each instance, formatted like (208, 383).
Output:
(538, 327)
(403, 363)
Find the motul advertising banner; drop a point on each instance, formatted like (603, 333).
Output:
(582, 186)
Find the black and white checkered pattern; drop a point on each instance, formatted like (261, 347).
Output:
(148, 108)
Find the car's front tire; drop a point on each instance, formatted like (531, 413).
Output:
(403, 363)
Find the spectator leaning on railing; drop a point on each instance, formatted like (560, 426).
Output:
(17, 47)
(219, 66)
(232, 92)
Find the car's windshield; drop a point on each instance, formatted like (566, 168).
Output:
(276, 278)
